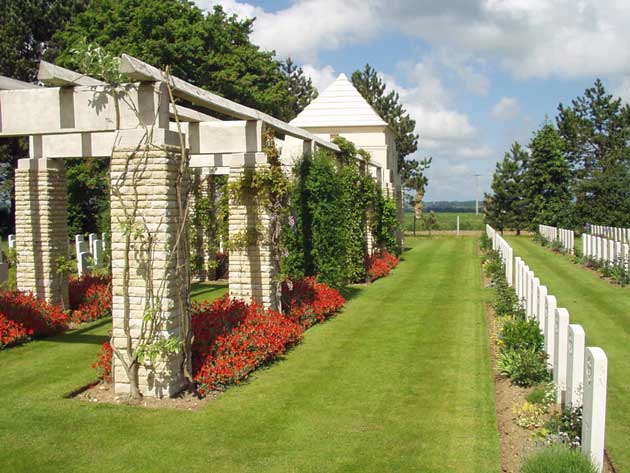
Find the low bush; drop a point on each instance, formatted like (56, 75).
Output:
(309, 302)
(557, 458)
(90, 298)
(232, 338)
(380, 265)
(23, 316)
(564, 427)
(103, 363)
(259, 338)
(521, 334)
(524, 367)
(543, 394)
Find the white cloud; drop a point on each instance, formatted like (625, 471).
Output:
(622, 89)
(308, 26)
(321, 77)
(530, 38)
(506, 108)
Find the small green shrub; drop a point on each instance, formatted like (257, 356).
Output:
(485, 243)
(524, 367)
(557, 458)
(543, 394)
(520, 334)
(565, 427)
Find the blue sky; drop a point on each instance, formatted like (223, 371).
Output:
(474, 74)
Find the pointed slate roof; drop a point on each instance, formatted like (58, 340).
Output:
(339, 105)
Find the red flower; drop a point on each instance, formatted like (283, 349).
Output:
(90, 298)
(380, 264)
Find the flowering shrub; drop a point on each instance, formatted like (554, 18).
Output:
(23, 316)
(237, 339)
(103, 363)
(309, 302)
(380, 264)
(232, 338)
(90, 298)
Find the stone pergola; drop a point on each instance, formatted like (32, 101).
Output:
(138, 126)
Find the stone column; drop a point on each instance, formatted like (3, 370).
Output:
(149, 253)
(251, 267)
(41, 227)
(197, 253)
(210, 190)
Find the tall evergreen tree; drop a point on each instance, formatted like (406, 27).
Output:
(388, 106)
(301, 89)
(596, 131)
(547, 180)
(504, 208)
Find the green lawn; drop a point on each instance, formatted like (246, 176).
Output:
(604, 311)
(400, 381)
(448, 221)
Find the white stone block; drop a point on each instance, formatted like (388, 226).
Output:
(549, 331)
(530, 293)
(575, 365)
(560, 362)
(12, 242)
(83, 263)
(541, 314)
(535, 287)
(517, 276)
(98, 253)
(91, 238)
(594, 412)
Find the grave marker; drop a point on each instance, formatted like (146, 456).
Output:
(575, 365)
(560, 362)
(594, 411)
(549, 332)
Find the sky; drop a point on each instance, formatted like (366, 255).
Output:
(476, 75)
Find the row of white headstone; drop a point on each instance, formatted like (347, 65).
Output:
(89, 253)
(564, 236)
(611, 233)
(579, 372)
(500, 245)
(605, 250)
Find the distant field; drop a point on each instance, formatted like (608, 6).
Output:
(448, 221)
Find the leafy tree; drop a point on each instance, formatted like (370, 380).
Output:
(211, 50)
(418, 181)
(26, 27)
(596, 131)
(388, 106)
(504, 208)
(547, 180)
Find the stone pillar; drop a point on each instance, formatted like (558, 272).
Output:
(251, 266)
(150, 251)
(210, 189)
(41, 227)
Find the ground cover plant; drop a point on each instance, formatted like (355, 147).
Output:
(557, 458)
(602, 309)
(350, 387)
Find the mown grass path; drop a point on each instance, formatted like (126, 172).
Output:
(400, 381)
(603, 310)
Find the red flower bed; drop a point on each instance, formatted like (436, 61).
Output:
(232, 338)
(90, 298)
(103, 363)
(24, 316)
(309, 302)
(258, 337)
(222, 261)
(380, 265)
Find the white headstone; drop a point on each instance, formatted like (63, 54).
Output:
(517, 276)
(560, 362)
(98, 253)
(575, 365)
(549, 332)
(83, 263)
(594, 412)
(535, 286)
(542, 307)
(91, 238)
(12, 242)
(530, 293)
(458, 225)
(611, 251)
(77, 246)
